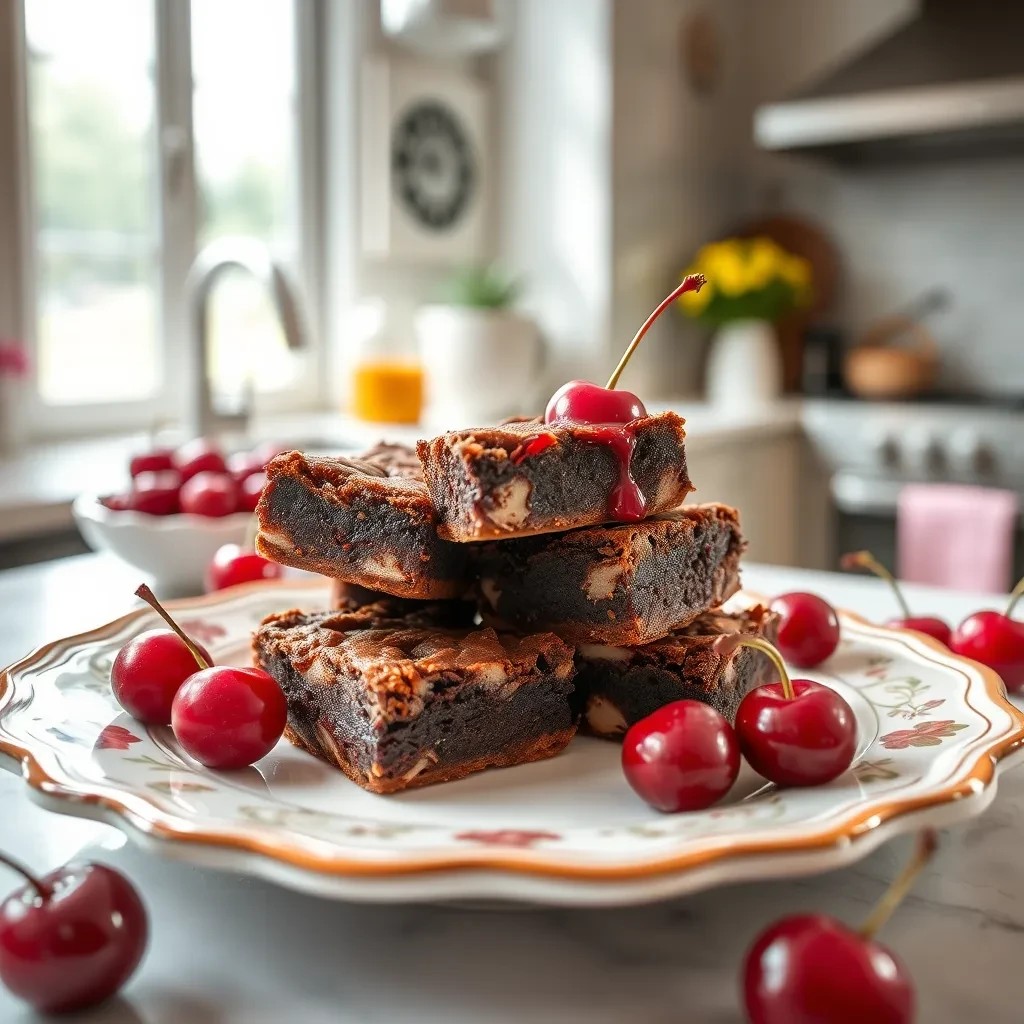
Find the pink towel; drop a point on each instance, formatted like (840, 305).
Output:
(951, 535)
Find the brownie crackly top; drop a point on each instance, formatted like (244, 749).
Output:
(367, 521)
(396, 663)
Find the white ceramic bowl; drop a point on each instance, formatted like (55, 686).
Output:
(173, 551)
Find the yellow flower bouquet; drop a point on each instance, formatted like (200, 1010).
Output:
(747, 279)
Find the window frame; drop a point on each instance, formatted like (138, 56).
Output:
(178, 226)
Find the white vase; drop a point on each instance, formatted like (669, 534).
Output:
(480, 364)
(744, 365)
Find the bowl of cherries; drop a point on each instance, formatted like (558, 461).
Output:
(181, 506)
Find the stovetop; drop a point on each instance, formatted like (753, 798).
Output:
(1010, 402)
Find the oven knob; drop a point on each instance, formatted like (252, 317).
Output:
(933, 458)
(887, 451)
(972, 456)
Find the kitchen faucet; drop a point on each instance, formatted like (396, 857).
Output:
(202, 419)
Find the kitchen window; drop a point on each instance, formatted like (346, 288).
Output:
(151, 128)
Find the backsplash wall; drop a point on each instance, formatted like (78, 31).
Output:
(901, 230)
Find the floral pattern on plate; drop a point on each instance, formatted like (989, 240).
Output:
(930, 729)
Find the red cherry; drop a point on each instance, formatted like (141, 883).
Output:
(808, 628)
(209, 494)
(229, 717)
(250, 489)
(806, 740)
(933, 627)
(811, 969)
(231, 566)
(72, 938)
(156, 494)
(148, 672)
(199, 456)
(579, 401)
(683, 757)
(156, 461)
(996, 640)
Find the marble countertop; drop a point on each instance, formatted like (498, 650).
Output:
(232, 950)
(38, 484)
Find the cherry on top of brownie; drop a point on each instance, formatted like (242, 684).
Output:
(528, 477)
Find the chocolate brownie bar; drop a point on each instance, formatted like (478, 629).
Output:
(529, 477)
(617, 686)
(626, 584)
(362, 521)
(395, 702)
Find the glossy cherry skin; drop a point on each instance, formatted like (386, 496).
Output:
(210, 494)
(808, 628)
(806, 741)
(579, 401)
(250, 489)
(229, 717)
(156, 461)
(232, 565)
(683, 757)
(149, 670)
(995, 640)
(811, 969)
(156, 494)
(199, 456)
(928, 624)
(76, 946)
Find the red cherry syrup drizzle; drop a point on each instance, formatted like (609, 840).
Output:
(611, 415)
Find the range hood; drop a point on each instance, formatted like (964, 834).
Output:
(948, 83)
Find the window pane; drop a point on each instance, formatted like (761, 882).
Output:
(91, 118)
(246, 140)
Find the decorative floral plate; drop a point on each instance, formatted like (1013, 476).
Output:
(932, 731)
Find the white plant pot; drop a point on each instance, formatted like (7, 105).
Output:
(480, 364)
(744, 365)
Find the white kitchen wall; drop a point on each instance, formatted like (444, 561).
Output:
(901, 230)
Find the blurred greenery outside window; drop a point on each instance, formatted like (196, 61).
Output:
(96, 179)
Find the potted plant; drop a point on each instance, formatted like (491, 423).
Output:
(751, 284)
(482, 359)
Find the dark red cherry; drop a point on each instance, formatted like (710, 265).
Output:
(811, 969)
(804, 740)
(996, 640)
(928, 624)
(156, 494)
(229, 717)
(232, 565)
(210, 494)
(808, 628)
(72, 938)
(156, 461)
(683, 757)
(579, 401)
(148, 672)
(199, 456)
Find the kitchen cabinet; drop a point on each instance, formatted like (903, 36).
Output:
(770, 479)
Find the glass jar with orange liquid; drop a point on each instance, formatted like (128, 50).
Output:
(387, 377)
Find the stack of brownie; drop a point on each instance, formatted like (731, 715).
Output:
(486, 604)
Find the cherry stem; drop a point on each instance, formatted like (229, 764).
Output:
(927, 844)
(866, 560)
(149, 597)
(690, 283)
(728, 642)
(20, 869)
(1015, 595)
